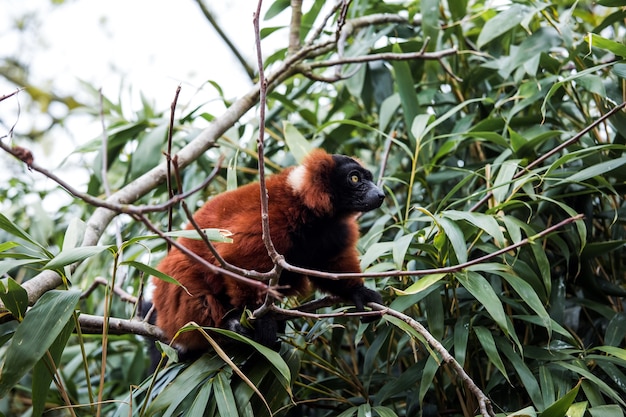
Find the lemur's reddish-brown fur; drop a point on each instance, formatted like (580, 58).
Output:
(297, 200)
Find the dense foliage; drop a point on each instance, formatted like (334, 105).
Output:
(466, 143)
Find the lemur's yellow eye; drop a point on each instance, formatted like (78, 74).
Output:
(355, 178)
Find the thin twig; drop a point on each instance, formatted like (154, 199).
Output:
(267, 239)
(4, 97)
(168, 158)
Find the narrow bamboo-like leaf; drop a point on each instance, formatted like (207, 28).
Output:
(615, 351)
(69, 256)
(455, 237)
(616, 330)
(502, 183)
(461, 336)
(421, 284)
(419, 126)
(214, 235)
(297, 143)
(185, 383)
(200, 402)
(486, 340)
(384, 411)
(148, 153)
(231, 174)
(527, 378)
(595, 40)
(483, 292)
(530, 297)
(224, 396)
(614, 372)
(483, 221)
(42, 375)
(350, 412)
(35, 334)
(501, 23)
(74, 234)
(152, 272)
(601, 169)
(4, 246)
(400, 247)
(14, 297)
(14, 229)
(434, 314)
(406, 88)
(402, 325)
(273, 357)
(428, 375)
(581, 370)
(574, 76)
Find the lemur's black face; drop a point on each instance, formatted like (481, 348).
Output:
(353, 189)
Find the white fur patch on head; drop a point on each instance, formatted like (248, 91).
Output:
(296, 178)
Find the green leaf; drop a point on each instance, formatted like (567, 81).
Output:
(297, 143)
(406, 88)
(581, 370)
(400, 248)
(276, 8)
(42, 375)
(616, 330)
(5, 246)
(148, 270)
(273, 357)
(503, 180)
(484, 293)
(597, 170)
(34, 335)
(231, 173)
(187, 383)
(615, 351)
(14, 297)
(214, 235)
(530, 297)
(72, 255)
(560, 407)
(9, 264)
(501, 23)
(483, 221)
(455, 237)
(201, 400)
(14, 229)
(486, 341)
(568, 79)
(384, 411)
(224, 396)
(421, 284)
(526, 376)
(149, 149)
(597, 41)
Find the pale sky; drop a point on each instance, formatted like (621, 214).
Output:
(148, 46)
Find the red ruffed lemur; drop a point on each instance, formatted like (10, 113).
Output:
(312, 218)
